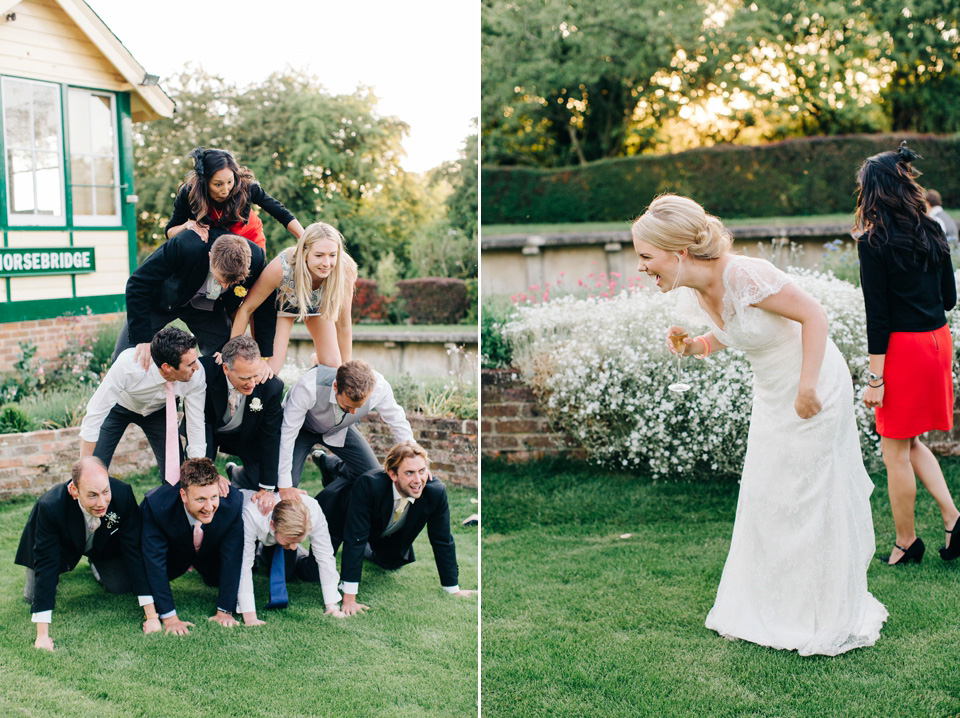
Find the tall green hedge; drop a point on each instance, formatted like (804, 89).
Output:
(794, 177)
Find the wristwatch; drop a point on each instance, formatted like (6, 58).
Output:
(875, 377)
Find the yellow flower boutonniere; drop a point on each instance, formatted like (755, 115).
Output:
(240, 291)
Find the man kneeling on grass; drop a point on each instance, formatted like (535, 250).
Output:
(190, 524)
(91, 515)
(279, 535)
(379, 514)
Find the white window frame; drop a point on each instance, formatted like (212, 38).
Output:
(18, 219)
(89, 220)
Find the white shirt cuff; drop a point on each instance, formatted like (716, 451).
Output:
(144, 600)
(350, 587)
(168, 614)
(245, 602)
(451, 589)
(330, 594)
(42, 616)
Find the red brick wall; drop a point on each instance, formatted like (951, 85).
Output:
(50, 336)
(33, 462)
(512, 425)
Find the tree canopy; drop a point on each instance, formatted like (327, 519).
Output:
(330, 158)
(567, 81)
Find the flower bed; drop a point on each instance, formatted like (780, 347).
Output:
(601, 369)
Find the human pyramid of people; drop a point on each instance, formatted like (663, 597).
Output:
(212, 274)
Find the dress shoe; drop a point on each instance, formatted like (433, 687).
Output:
(230, 467)
(948, 553)
(323, 461)
(914, 553)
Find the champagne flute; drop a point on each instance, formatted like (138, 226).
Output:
(679, 386)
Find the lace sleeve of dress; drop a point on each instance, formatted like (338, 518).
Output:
(751, 280)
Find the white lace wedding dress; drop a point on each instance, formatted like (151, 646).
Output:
(796, 574)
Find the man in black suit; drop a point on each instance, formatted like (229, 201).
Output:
(378, 516)
(201, 283)
(91, 515)
(191, 524)
(243, 418)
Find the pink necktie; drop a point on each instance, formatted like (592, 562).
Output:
(172, 456)
(197, 536)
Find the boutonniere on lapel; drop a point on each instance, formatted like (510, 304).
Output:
(256, 404)
(112, 520)
(240, 291)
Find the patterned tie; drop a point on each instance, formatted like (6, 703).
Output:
(93, 524)
(172, 454)
(278, 579)
(401, 505)
(233, 400)
(197, 536)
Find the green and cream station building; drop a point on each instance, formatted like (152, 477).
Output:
(69, 95)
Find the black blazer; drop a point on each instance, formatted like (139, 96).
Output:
(168, 542)
(357, 512)
(170, 277)
(259, 432)
(182, 211)
(56, 533)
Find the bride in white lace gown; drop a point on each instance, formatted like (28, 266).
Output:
(796, 574)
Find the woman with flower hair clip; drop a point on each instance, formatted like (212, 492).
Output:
(908, 282)
(796, 574)
(218, 195)
(314, 283)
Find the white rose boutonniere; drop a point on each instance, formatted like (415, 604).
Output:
(112, 520)
(256, 404)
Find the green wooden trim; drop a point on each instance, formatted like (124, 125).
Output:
(73, 277)
(128, 210)
(3, 172)
(51, 308)
(67, 163)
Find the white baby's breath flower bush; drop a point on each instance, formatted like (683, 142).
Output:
(602, 368)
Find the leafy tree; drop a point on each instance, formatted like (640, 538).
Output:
(326, 157)
(568, 81)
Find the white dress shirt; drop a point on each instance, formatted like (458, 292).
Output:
(144, 392)
(256, 527)
(302, 398)
(47, 616)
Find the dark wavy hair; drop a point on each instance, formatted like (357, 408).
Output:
(891, 210)
(169, 345)
(206, 163)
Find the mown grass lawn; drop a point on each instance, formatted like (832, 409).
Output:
(413, 654)
(581, 621)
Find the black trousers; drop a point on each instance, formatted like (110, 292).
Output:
(211, 328)
(154, 427)
(356, 455)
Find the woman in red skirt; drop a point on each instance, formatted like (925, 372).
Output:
(220, 194)
(908, 283)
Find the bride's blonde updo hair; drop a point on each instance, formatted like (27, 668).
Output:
(675, 223)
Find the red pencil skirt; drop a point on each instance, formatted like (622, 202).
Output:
(918, 384)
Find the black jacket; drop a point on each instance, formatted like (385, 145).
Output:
(170, 277)
(357, 512)
(168, 543)
(56, 533)
(259, 431)
(182, 210)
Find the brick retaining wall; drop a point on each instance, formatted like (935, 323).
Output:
(512, 426)
(50, 336)
(33, 462)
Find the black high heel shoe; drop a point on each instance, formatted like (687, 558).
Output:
(912, 554)
(948, 553)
